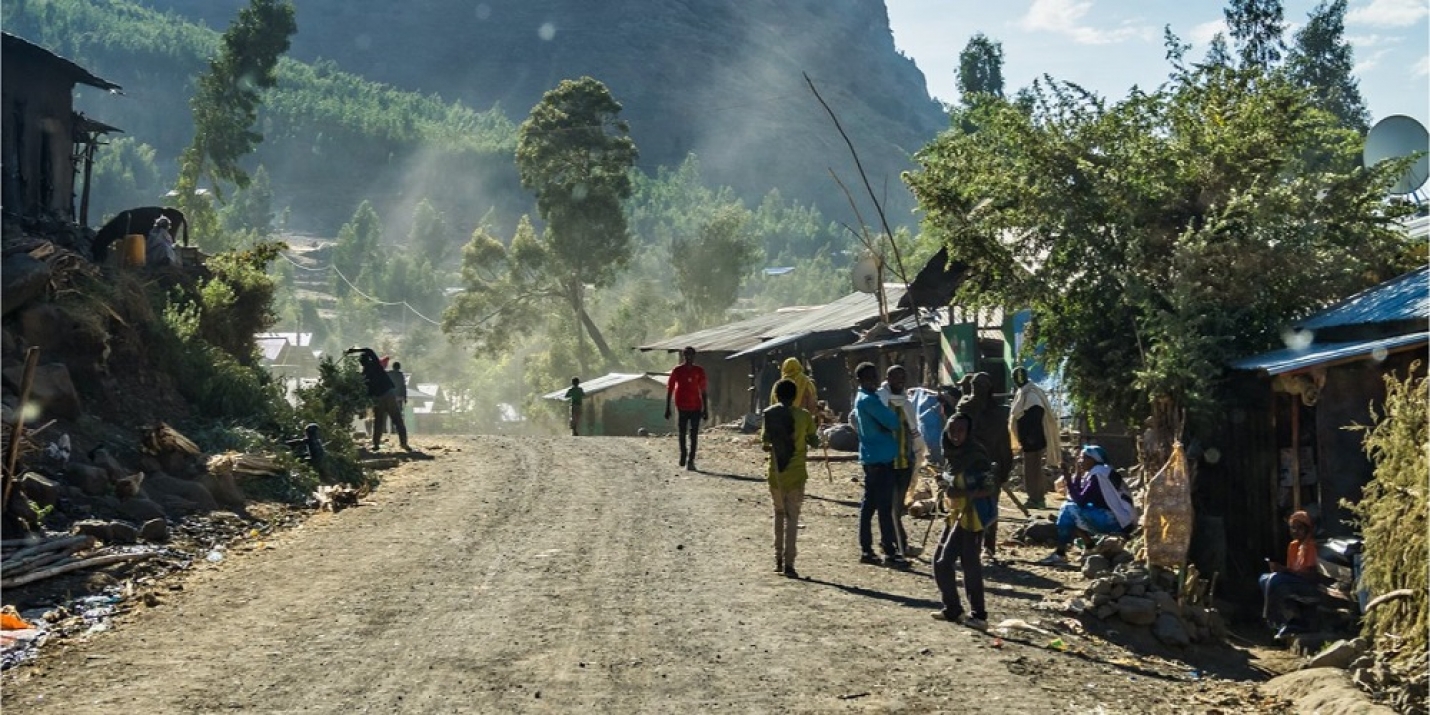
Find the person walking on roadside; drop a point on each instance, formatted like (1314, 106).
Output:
(575, 396)
(787, 433)
(968, 490)
(399, 381)
(383, 394)
(990, 424)
(806, 393)
(1033, 428)
(687, 387)
(879, 448)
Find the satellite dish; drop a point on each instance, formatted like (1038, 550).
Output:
(1394, 137)
(865, 275)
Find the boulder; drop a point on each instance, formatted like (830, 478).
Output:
(1170, 630)
(1328, 691)
(40, 489)
(140, 510)
(26, 279)
(50, 389)
(1096, 566)
(1118, 591)
(1137, 611)
(1336, 655)
(1039, 532)
(178, 495)
(1166, 603)
(109, 532)
(93, 481)
(1105, 611)
(155, 531)
(223, 488)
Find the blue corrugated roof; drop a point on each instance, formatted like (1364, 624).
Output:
(1399, 299)
(1292, 359)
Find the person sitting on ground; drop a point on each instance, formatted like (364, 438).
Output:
(159, 245)
(1296, 577)
(787, 434)
(969, 488)
(1097, 503)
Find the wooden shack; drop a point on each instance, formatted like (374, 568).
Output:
(45, 142)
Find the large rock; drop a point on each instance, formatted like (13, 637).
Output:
(110, 532)
(140, 510)
(1096, 566)
(1170, 630)
(26, 279)
(1325, 691)
(1336, 655)
(1166, 603)
(178, 496)
(50, 389)
(223, 488)
(1040, 532)
(1137, 611)
(40, 489)
(155, 531)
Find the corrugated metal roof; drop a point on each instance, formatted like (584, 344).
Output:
(786, 325)
(71, 71)
(1293, 359)
(1399, 299)
(606, 382)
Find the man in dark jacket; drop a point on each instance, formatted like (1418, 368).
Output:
(990, 428)
(384, 397)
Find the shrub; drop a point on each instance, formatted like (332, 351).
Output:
(1392, 516)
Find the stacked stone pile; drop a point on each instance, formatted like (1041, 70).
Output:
(1122, 587)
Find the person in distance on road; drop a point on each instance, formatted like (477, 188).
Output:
(787, 433)
(575, 396)
(383, 394)
(686, 386)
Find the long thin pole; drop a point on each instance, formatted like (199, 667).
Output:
(32, 356)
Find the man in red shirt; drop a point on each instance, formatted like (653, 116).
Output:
(687, 385)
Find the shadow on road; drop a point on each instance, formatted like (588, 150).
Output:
(902, 600)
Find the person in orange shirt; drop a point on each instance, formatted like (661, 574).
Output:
(686, 385)
(1298, 576)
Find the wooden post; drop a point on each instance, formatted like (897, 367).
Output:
(1295, 453)
(32, 356)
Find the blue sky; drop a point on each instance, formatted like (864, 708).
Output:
(1110, 45)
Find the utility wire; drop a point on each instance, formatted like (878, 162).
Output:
(379, 301)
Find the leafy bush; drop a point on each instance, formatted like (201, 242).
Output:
(1392, 515)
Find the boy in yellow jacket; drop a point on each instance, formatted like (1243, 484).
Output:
(787, 434)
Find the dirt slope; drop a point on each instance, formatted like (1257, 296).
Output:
(565, 574)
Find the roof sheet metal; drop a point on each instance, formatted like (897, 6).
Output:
(1398, 299)
(606, 382)
(731, 337)
(785, 326)
(72, 71)
(1278, 362)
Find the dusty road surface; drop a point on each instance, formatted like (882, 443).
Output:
(586, 574)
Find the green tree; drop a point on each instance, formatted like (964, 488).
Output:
(357, 246)
(251, 207)
(1151, 237)
(711, 266)
(429, 236)
(225, 107)
(575, 155)
(980, 69)
(1256, 26)
(504, 290)
(1217, 52)
(1322, 62)
(125, 176)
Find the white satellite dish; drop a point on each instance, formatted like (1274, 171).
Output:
(1394, 137)
(865, 275)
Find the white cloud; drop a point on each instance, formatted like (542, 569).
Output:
(1201, 35)
(1422, 68)
(1389, 13)
(1065, 17)
(1369, 61)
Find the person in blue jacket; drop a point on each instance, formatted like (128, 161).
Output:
(881, 432)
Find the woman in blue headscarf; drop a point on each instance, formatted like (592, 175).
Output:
(1097, 503)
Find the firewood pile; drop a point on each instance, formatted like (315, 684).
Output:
(28, 560)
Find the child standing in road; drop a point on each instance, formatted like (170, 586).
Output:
(575, 396)
(969, 488)
(787, 434)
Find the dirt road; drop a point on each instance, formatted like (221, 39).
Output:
(567, 574)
